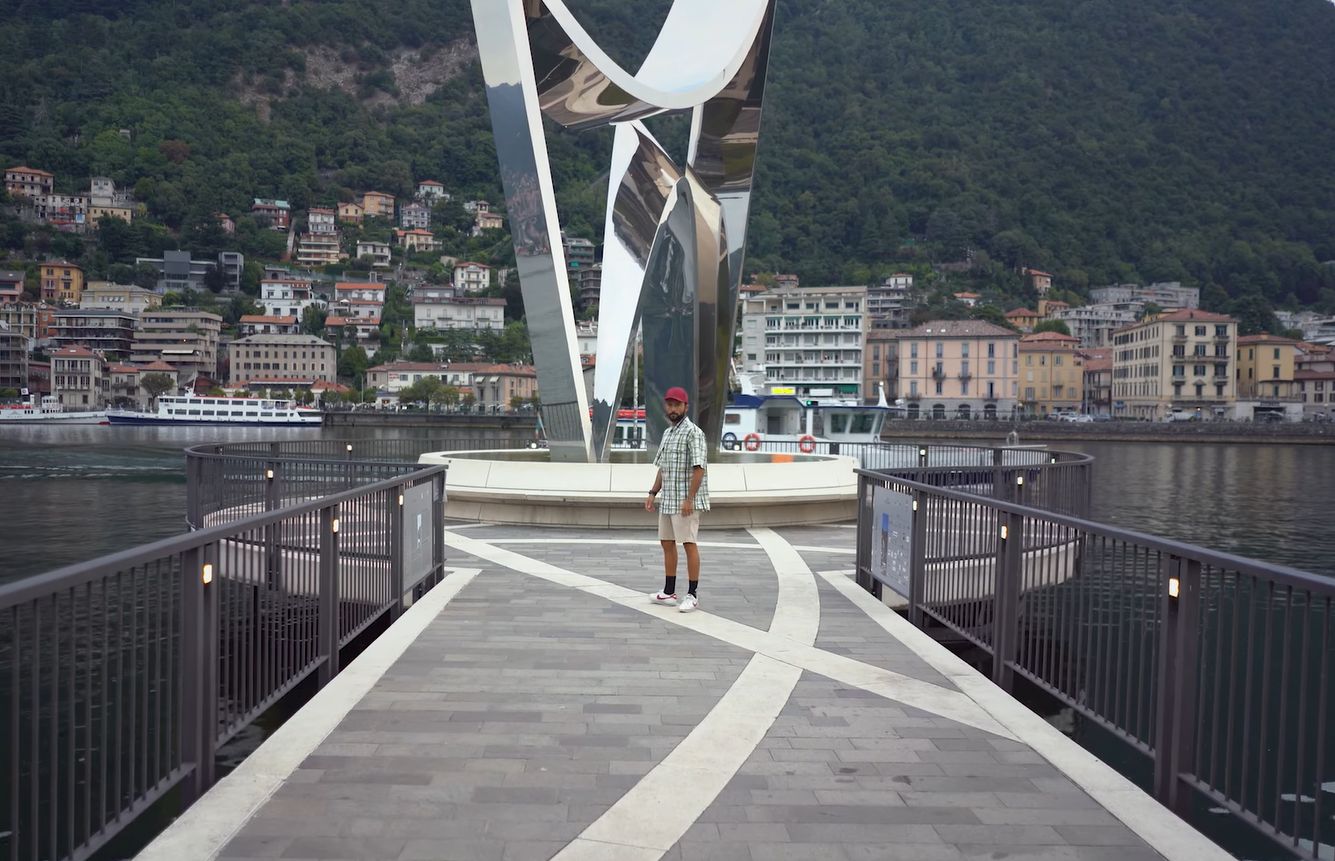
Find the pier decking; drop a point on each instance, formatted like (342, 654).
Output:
(535, 705)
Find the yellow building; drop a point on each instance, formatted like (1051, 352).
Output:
(958, 368)
(1023, 318)
(1265, 366)
(350, 213)
(62, 282)
(1177, 363)
(378, 204)
(1051, 374)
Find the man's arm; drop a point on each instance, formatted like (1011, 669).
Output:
(697, 477)
(653, 493)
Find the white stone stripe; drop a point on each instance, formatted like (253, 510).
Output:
(655, 813)
(642, 542)
(205, 828)
(891, 685)
(1169, 835)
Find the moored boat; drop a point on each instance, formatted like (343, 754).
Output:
(48, 410)
(197, 410)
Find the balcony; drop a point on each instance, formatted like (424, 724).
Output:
(1179, 339)
(938, 374)
(965, 376)
(1222, 339)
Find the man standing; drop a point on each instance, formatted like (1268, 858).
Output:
(682, 492)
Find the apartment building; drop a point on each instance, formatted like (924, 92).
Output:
(288, 297)
(61, 282)
(109, 333)
(458, 312)
(417, 240)
(121, 297)
(1266, 386)
(589, 283)
(1093, 325)
(261, 324)
(351, 213)
(880, 366)
(890, 302)
(1315, 376)
(580, 252)
(79, 378)
(126, 383)
(29, 182)
(394, 377)
(471, 277)
(301, 358)
(1051, 374)
(1023, 319)
(414, 216)
(429, 191)
(186, 339)
(323, 221)
(487, 221)
(319, 249)
(29, 319)
(377, 251)
(1179, 361)
(179, 271)
(365, 291)
(807, 339)
(959, 369)
(497, 387)
(377, 204)
(1097, 365)
(13, 359)
(1165, 294)
(277, 212)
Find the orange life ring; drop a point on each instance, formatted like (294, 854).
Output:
(751, 441)
(807, 444)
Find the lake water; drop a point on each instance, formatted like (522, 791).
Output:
(74, 493)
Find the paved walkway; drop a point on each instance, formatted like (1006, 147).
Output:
(536, 706)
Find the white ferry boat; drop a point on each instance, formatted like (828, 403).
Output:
(196, 410)
(48, 411)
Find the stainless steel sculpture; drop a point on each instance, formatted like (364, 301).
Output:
(674, 236)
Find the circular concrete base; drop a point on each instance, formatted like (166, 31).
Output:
(524, 487)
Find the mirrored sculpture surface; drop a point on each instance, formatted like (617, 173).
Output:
(674, 236)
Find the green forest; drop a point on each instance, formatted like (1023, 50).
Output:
(1103, 141)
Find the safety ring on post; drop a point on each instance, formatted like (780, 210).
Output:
(730, 441)
(807, 444)
(752, 441)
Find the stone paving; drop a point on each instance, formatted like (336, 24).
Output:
(533, 720)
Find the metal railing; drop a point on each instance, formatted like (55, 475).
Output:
(1216, 667)
(122, 676)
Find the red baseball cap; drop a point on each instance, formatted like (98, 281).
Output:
(676, 393)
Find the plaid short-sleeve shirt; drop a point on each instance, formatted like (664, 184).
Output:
(680, 451)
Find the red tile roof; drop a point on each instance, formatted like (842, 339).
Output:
(268, 318)
(958, 329)
(1188, 314)
(1021, 312)
(1048, 339)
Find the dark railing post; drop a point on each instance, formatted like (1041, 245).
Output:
(273, 500)
(918, 559)
(394, 514)
(199, 667)
(998, 474)
(437, 526)
(862, 566)
(1174, 729)
(1006, 611)
(329, 604)
(922, 456)
(192, 492)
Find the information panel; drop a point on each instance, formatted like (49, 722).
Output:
(892, 538)
(417, 534)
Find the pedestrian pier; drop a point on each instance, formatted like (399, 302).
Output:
(535, 705)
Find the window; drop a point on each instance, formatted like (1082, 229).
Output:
(1274, 372)
(1029, 360)
(964, 368)
(913, 367)
(940, 350)
(1057, 360)
(875, 369)
(1179, 370)
(991, 368)
(1277, 354)
(1029, 393)
(913, 389)
(991, 390)
(913, 351)
(876, 351)
(1221, 332)
(964, 388)
(750, 357)
(964, 349)
(1198, 370)
(991, 350)
(940, 386)
(1200, 331)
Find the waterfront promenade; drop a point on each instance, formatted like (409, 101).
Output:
(535, 705)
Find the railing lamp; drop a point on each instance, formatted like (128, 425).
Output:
(335, 526)
(207, 574)
(1019, 480)
(1005, 532)
(915, 505)
(400, 500)
(268, 473)
(1174, 587)
(349, 446)
(922, 452)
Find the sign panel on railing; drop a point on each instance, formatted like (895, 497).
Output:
(892, 538)
(417, 533)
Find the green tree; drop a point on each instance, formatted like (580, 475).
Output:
(156, 385)
(353, 362)
(1058, 326)
(312, 320)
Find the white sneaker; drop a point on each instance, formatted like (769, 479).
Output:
(663, 598)
(688, 603)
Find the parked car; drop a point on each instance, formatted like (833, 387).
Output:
(1076, 417)
(1102, 417)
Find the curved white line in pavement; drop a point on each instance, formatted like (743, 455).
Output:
(644, 542)
(652, 815)
(205, 828)
(891, 685)
(1154, 823)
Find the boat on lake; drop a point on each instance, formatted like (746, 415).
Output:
(198, 410)
(49, 410)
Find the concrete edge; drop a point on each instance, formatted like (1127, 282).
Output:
(206, 827)
(1169, 835)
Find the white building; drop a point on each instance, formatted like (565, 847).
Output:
(471, 277)
(474, 206)
(372, 291)
(1165, 294)
(414, 216)
(466, 312)
(323, 221)
(889, 303)
(806, 340)
(429, 191)
(288, 298)
(377, 251)
(1094, 324)
(281, 359)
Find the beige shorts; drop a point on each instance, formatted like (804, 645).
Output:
(675, 527)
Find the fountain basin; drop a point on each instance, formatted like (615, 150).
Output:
(523, 487)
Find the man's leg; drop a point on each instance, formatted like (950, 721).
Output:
(668, 539)
(693, 565)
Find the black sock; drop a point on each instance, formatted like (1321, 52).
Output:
(670, 586)
(691, 589)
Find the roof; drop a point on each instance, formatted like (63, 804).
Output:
(321, 211)
(75, 351)
(1037, 272)
(289, 340)
(1266, 338)
(434, 367)
(288, 380)
(377, 193)
(1054, 303)
(265, 201)
(958, 329)
(1048, 340)
(1188, 314)
(335, 321)
(416, 231)
(431, 182)
(359, 285)
(1313, 375)
(268, 318)
(1099, 363)
(968, 295)
(364, 321)
(28, 170)
(1022, 312)
(321, 385)
(122, 368)
(157, 365)
(470, 263)
(521, 371)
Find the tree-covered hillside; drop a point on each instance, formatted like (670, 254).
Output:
(1101, 140)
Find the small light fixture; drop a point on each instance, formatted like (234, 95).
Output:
(915, 505)
(1054, 460)
(268, 473)
(1174, 587)
(1019, 480)
(1005, 532)
(922, 452)
(349, 446)
(335, 525)
(400, 499)
(207, 574)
